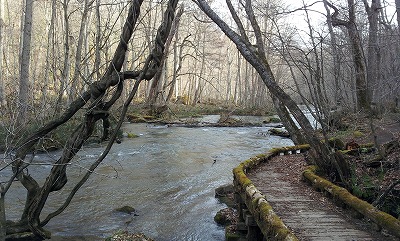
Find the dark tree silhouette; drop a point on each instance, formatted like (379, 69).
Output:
(96, 103)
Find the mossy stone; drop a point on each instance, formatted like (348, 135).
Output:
(126, 209)
(358, 134)
(336, 143)
(132, 135)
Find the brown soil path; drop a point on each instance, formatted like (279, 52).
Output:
(309, 214)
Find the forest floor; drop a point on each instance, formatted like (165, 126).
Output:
(374, 172)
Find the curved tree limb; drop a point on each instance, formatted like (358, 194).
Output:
(151, 62)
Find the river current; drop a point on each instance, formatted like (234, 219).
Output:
(168, 174)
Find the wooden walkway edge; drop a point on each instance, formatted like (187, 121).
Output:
(308, 215)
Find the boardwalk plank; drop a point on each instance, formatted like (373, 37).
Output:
(310, 215)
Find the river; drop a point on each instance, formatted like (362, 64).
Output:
(167, 174)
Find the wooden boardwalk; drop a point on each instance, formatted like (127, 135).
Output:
(309, 214)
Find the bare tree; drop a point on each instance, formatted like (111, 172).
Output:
(79, 48)
(2, 97)
(322, 155)
(156, 84)
(398, 14)
(336, 57)
(373, 61)
(97, 102)
(23, 97)
(357, 52)
(178, 57)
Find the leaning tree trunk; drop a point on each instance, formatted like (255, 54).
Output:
(322, 154)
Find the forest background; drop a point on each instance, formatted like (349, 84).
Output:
(70, 41)
(55, 56)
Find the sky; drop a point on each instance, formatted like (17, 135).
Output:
(297, 18)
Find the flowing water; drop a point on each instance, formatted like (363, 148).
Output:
(168, 174)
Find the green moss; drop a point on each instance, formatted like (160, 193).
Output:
(132, 135)
(382, 219)
(367, 145)
(231, 236)
(336, 143)
(357, 134)
(220, 218)
(125, 209)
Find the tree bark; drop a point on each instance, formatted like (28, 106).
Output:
(78, 54)
(50, 52)
(2, 93)
(321, 152)
(357, 53)
(67, 60)
(373, 47)
(398, 14)
(336, 58)
(2, 214)
(23, 97)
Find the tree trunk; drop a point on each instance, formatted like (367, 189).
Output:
(2, 93)
(49, 55)
(78, 54)
(356, 46)
(357, 53)
(322, 155)
(336, 59)
(2, 214)
(178, 57)
(398, 14)
(373, 48)
(23, 98)
(155, 86)
(97, 59)
(67, 60)
(199, 79)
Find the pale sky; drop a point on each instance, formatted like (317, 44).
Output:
(298, 19)
(220, 7)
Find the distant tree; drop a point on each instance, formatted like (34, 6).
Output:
(156, 90)
(78, 52)
(2, 97)
(398, 14)
(373, 61)
(24, 91)
(357, 51)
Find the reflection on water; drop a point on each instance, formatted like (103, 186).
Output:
(166, 174)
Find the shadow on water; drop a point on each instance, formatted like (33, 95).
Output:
(167, 174)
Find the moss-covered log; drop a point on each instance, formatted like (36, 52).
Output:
(382, 219)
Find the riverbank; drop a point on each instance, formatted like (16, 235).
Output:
(376, 170)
